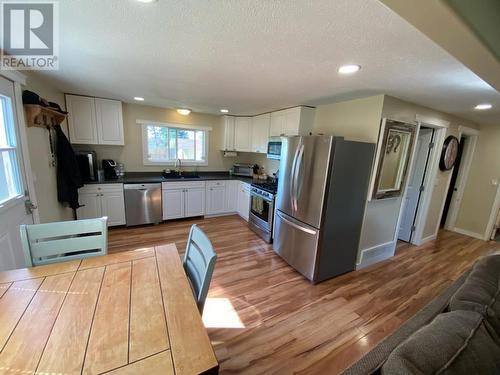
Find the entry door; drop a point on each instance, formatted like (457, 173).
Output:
(12, 182)
(414, 184)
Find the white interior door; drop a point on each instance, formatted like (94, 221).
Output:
(12, 182)
(414, 184)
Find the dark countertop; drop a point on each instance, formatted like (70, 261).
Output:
(156, 177)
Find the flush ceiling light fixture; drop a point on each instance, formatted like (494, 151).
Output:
(224, 110)
(483, 106)
(183, 111)
(349, 69)
(147, 1)
(139, 98)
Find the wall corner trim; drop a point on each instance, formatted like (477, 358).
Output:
(14, 75)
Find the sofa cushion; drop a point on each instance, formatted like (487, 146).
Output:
(481, 291)
(457, 342)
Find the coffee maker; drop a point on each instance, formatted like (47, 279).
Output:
(109, 167)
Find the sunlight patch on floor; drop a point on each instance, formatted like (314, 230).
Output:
(220, 313)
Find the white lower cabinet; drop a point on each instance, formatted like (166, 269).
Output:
(183, 199)
(232, 188)
(195, 201)
(244, 200)
(222, 197)
(102, 200)
(173, 203)
(216, 197)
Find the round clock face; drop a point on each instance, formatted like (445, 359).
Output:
(449, 154)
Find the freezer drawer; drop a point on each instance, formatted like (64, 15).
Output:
(296, 243)
(142, 203)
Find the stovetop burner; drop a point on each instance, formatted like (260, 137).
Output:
(271, 187)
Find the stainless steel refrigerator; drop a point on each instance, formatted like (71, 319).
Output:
(322, 190)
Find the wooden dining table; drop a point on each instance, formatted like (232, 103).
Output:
(125, 313)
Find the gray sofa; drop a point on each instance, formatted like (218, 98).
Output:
(457, 333)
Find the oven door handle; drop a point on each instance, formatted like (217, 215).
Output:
(252, 194)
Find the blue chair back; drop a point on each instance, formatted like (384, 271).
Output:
(199, 264)
(64, 240)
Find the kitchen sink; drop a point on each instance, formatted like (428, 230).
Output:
(180, 176)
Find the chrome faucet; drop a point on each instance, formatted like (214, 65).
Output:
(178, 165)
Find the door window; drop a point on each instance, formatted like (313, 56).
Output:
(10, 179)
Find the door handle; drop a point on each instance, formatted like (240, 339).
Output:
(296, 176)
(30, 207)
(292, 182)
(296, 226)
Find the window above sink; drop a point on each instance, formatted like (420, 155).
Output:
(163, 144)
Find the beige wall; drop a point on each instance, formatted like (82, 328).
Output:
(131, 153)
(479, 193)
(44, 173)
(356, 120)
(405, 111)
(360, 120)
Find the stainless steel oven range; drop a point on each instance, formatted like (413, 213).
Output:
(262, 196)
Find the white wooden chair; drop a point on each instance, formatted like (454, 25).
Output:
(199, 264)
(64, 240)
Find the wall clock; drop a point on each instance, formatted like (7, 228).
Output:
(449, 153)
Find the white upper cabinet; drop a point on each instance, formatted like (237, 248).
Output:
(82, 119)
(228, 134)
(109, 122)
(243, 134)
(260, 132)
(251, 134)
(292, 121)
(94, 120)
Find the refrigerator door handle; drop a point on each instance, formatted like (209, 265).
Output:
(298, 164)
(295, 225)
(292, 182)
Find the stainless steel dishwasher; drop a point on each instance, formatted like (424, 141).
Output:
(142, 204)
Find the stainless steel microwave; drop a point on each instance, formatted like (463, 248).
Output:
(87, 164)
(274, 148)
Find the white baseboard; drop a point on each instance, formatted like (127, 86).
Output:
(469, 233)
(427, 239)
(221, 214)
(376, 254)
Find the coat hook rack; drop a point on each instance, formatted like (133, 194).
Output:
(42, 117)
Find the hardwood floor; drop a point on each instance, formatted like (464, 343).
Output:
(263, 317)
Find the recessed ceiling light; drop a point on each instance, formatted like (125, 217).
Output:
(147, 1)
(138, 98)
(223, 110)
(483, 106)
(183, 111)
(349, 69)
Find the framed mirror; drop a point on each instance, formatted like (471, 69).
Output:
(394, 158)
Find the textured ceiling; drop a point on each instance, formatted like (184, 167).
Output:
(253, 56)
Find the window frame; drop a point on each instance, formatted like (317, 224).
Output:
(13, 139)
(177, 127)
